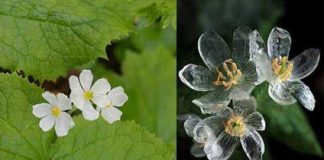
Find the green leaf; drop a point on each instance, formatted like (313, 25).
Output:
(287, 124)
(47, 38)
(149, 80)
(22, 139)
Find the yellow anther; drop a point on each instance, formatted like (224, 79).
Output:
(56, 111)
(88, 95)
(232, 74)
(235, 126)
(282, 68)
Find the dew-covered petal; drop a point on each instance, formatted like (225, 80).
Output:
(111, 114)
(302, 93)
(50, 97)
(64, 102)
(253, 145)
(279, 42)
(74, 84)
(305, 63)
(202, 133)
(213, 49)
(222, 147)
(256, 121)
(41, 110)
(190, 123)
(86, 78)
(101, 86)
(257, 45)
(63, 124)
(213, 101)
(244, 107)
(197, 150)
(197, 77)
(47, 122)
(280, 94)
(241, 45)
(89, 113)
(117, 96)
(77, 99)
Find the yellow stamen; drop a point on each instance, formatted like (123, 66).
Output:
(232, 74)
(235, 126)
(56, 111)
(88, 95)
(282, 68)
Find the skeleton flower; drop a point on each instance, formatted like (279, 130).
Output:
(218, 135)
(283, 74)
(52, 113)
(229, 74)
(82, 93)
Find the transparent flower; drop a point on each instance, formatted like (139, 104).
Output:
(229, 74)
(52, 113)
(218, 135)
(115, 98)
(82, 93)
(283, 74)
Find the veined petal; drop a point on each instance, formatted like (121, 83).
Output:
(50, 97)
(241, 45)
(77, 99)
(249, 73)
(257, 45)
(213, 101)
(64, 102)
(111, 114)
(216, 123)
(74, 84)
(89, 113)
(302, 93)
(41, 110)
(63, 124)
(244, 107)
(190, 123)
(305, 63)
(241, 92)
(47, 122)
(222, 147)
(213, 151)
(117, 96)
(256, 121)
(197, 77)
(279, 42)
(213, 49)
(253, 145)
(101, 86)
(197, 150)
(86, 78)
(280, 94)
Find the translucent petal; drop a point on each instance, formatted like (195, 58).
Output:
(197, 77)
(256, 121)
(213, 49)
(213, 151)
(257, 45)
(203, 133)
(222, 147)
(305, 63)
(249, 72)
(216, 123)
(253, 145)
(241, 45)
(279, 42)
(197, 150)
(302, 93)
(190, 123)
(280, 94)
(244, 107)
(213, 101)
(241, 92)
(263, 67)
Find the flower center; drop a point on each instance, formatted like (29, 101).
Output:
(227, 74)
(235, 126)
(88, 95)
(56, 111)
(109, 104)
(282, 67)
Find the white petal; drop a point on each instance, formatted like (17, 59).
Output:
(256, 121)
(280, 94)
(305, 63)
(50, 97)
(253, 145)
(197, 150)
(263, 67)
(41, 110)
(47, 122)
(279, 42)
(77, 99)
(241, 45)
(64, 102)
(89, 113)
(302, 93)
(101, 86)
(86, 78)
(197, 77)
(75, 84)
(63, 124)
(111, 114)
(117, 96)
(213, 49)
(100, 100)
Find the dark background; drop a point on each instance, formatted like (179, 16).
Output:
(303, 20)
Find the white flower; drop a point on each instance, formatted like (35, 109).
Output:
(115, 98)
(82, 94)
(52, 113)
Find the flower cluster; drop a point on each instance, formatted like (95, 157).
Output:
(83, 96)
(231, 77)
